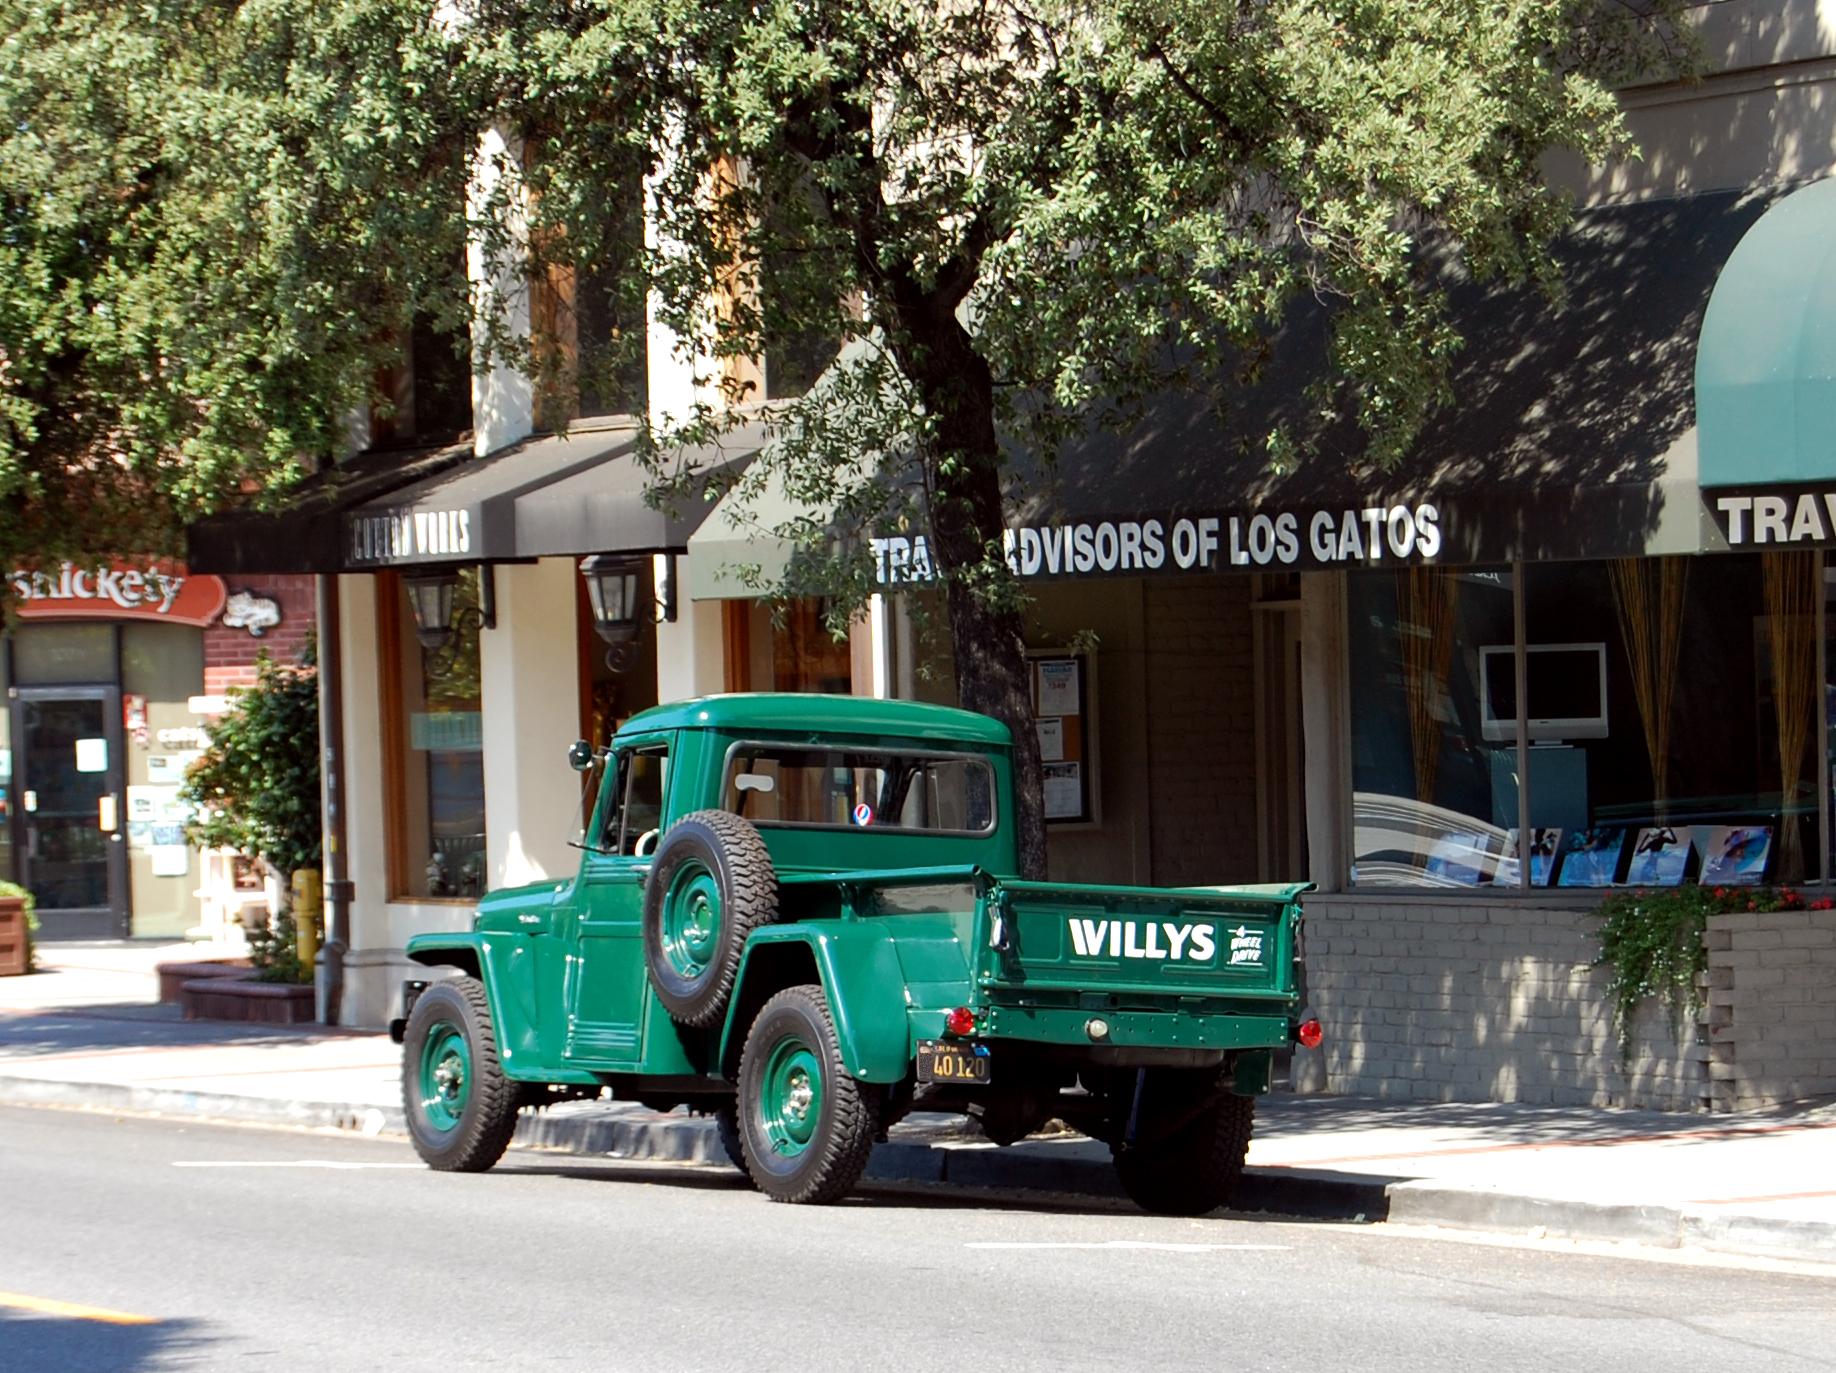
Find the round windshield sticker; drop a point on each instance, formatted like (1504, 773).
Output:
(863, 814)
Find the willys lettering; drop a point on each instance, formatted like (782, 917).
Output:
(1192, 943)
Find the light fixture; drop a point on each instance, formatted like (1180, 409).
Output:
(612, 587)
(430, 597)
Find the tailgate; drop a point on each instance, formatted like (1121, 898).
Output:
(1138, 942)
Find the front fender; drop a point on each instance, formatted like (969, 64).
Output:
(860, 975)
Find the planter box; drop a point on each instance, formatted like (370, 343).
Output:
(14, 945)
(264, 1003)
(174, 976)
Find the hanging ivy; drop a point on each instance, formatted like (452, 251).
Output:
(1652, 941)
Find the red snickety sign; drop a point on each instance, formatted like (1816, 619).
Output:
(156, 590)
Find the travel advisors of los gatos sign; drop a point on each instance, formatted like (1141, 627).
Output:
(1773, 516)
(156, 590)
(1308, 539)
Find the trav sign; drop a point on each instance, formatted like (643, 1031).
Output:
(158, 590)
(1298, 539)
(1773, 516)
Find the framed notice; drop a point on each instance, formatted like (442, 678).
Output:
(1066, 722)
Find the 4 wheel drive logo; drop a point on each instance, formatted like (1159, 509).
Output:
(1163, 939)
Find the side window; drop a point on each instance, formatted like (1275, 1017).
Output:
(634, 814)
(643, 818)
(619, 771)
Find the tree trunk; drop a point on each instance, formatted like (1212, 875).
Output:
(967, 521)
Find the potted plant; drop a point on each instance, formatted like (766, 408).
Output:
(18, 923)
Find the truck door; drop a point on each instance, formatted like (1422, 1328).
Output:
(608, 986)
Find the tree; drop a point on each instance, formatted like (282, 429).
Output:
(1021, 217)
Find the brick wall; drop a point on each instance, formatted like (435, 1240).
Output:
(1201, 710)
(1771, 1007)
(230, 653)
(1434, 1000)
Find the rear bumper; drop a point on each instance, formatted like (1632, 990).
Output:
(1117, 1029)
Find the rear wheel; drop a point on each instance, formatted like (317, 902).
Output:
(1192, 1138)
(460, 1107)
(806, 1127)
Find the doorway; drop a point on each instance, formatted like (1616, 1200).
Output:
(69, 822)
(1281, 811)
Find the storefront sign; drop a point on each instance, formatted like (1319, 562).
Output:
(1298, 539)
(410, 535)
(160, 591)
(1774, 517)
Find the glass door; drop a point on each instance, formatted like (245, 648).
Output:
(70, 823)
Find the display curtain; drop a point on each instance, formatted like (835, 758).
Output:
(1649, 593)
(1428, 598)
(1790, 581)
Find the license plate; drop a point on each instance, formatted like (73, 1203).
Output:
(941, 1062)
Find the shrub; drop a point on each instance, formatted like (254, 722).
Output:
(8, 889)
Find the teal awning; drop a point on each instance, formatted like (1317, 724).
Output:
(1766, 361)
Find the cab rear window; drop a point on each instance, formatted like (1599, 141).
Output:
(940, 793)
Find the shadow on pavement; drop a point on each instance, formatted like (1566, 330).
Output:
(58, 1344)
(1259, 1199)
(137, 1025)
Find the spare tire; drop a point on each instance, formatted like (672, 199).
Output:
(710, 885)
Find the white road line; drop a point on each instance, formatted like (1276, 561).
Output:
(287, 1163)
(1168, 1247)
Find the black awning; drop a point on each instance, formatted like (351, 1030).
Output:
(1571, 435)
(306, 533)
(603, 507)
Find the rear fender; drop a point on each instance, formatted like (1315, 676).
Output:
(858, 968)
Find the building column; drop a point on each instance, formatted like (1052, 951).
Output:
(529, 669)
(1325, 731)
(691, 652)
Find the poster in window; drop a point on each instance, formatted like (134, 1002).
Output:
(1051, 740)
(1064, 791)
(1734, 855)
(1459, 859)
(1545, 844)
(1591, 858)
(1659, 857)
(1058, 686)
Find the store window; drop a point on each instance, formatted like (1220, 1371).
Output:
(786, 647)
(433, 714)
(1670, 708)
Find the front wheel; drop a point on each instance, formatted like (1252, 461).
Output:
(461, 1109)
(806, 1127)
(1191, 1145)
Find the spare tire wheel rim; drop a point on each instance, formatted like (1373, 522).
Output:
(446, 1075)
(790, 1097)
(691, 921)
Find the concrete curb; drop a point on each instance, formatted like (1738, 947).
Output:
(1068, 1168)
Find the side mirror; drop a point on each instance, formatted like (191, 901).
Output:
(580, 755)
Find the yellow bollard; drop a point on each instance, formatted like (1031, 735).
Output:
(308, 910)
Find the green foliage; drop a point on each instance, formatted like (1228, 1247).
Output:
(256, 788)
(13, 889)
(274, 951)
(1652, 941)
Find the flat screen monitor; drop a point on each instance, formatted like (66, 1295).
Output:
(1567, 692)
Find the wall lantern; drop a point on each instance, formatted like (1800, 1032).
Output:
(430, 596)
(612, 588)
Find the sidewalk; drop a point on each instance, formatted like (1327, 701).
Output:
(88, 1033)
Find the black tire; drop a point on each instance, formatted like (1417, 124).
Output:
(727, 1129)
(794, 1032)
(1192, 1145)
(696, 984)
(468, 1131)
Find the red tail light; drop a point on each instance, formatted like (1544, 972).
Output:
(960, 1021)
(1309, 1034)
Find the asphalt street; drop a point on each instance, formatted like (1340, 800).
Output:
(129, 1244)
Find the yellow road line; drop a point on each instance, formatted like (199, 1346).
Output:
(45, 1306)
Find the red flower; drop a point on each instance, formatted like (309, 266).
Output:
(1753, 905)
(1721, 892)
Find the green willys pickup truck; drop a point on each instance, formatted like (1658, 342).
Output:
(794, 913)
